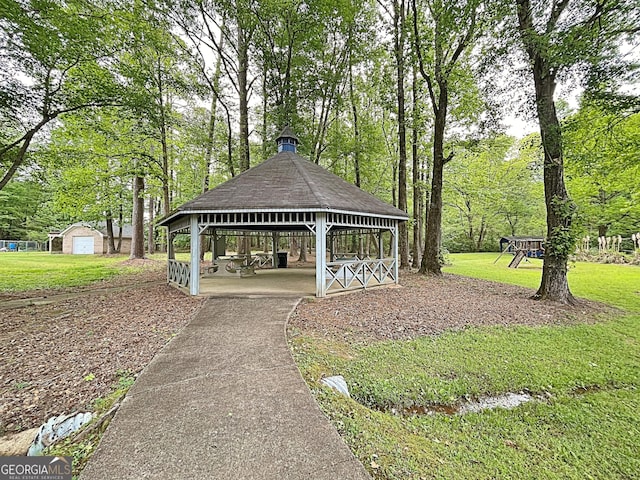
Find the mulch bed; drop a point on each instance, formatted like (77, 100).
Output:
(57, 358)
(430, 306)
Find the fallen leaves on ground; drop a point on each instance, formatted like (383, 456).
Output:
(57, 358)
(428, 305)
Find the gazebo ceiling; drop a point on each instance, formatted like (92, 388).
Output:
(287, 182)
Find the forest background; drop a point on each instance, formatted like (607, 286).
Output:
(103, 102)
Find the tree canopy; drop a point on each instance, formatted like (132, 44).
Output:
(55, 58)
(105, 105)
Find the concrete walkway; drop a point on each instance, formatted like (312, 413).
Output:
(224, 400)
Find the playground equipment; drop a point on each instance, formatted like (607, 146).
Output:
(522, 248)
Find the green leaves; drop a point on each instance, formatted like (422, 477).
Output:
(56, 58)
(19, 203)
(492, 189)
(602, 168)
(90, 164)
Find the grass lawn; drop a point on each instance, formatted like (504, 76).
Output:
(617, 285)
(583, 422)
(22, 271)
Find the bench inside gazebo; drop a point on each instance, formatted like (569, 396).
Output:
(286, 195)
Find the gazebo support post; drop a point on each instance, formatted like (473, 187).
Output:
(171, 254)
(194, 279)
(395, 251)
(321, 254)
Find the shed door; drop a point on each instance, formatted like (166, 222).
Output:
(83, 245)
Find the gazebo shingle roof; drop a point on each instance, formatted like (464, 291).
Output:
(287, 181)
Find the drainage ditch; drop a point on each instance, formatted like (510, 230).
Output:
(507, 401)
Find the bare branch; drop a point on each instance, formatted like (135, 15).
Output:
(384, 7)
(448, 158)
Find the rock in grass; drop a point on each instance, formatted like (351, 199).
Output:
(56, 429)
(338, 383)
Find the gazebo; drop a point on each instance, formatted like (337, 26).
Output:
(288, 193)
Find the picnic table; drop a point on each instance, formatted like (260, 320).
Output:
(240, 265)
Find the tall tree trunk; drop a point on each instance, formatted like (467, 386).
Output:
(243, 94)
(111, 246)
(303, 250)
(166, 174)
(417, 188)
(241, 242)
(394, 185)
(431, 257)
(151, 241)
(208, 153)
(121, 223)
(399, 47)
(204, 240)
(215, 89)
(356, 130)
(560, 208)
(446, 53)
(481, 233)
(265, 142)
(137, 219)
(232, 170)
(354, 243)
(166, 198)
(293, 246)
(424, 201)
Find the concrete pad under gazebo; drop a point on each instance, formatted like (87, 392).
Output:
(287, 194)
(285, 282)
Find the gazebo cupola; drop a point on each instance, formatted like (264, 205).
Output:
(287, 141)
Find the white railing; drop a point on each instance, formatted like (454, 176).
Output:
(179, 272)
(360, 273)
